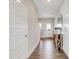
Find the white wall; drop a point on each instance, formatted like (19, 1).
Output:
(43, 31)
(33, 28)
(65, 12)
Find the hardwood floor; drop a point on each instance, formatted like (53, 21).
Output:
(46, 50)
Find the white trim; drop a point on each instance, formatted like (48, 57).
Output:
(65, 52)
(32, 50)
(45, 17)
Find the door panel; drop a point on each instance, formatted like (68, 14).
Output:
(18, 29)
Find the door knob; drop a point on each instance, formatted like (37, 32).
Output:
(26, 35)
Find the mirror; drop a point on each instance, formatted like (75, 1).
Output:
(60, 21)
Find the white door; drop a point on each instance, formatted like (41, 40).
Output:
(18, 29)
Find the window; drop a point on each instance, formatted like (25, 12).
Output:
(40, 25)
(48, 26)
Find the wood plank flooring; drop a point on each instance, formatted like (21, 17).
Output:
(46, 50)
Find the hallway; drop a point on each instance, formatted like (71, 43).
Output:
(46, 50)
(31, 20)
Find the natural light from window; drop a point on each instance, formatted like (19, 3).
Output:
(59, 25)
(48, 26)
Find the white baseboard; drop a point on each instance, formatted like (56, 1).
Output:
(32, 50)
(47, 37)
(65, 52)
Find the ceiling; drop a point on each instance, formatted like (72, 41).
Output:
(48, 7)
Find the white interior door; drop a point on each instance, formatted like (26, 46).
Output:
(18, 29)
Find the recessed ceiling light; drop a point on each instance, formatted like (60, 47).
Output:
(48, 0)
